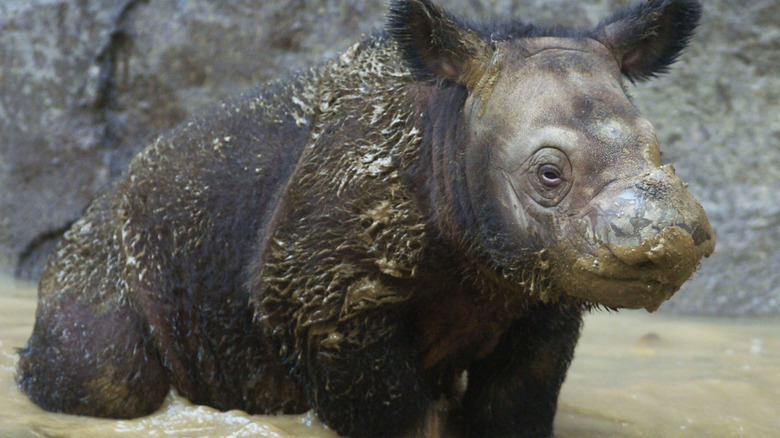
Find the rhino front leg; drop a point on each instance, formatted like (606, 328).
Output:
(514, 391)
(364, 379)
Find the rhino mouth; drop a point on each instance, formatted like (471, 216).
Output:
(624, 286)
(634, 277)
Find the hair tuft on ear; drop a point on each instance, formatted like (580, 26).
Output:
(407, 23)
(435, 45)
(648, 37)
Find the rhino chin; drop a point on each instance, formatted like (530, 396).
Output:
(627, 294)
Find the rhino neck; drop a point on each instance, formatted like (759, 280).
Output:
(444, 185)
(437, 178)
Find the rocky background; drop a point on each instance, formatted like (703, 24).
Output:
(84, 84)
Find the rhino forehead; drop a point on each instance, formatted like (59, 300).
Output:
(563, 112)
(560, 56)
(558, 86)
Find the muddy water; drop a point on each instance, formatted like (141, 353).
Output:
(634, 375)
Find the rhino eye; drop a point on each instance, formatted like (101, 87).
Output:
(550, 175)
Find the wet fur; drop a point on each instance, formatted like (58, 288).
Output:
(310, 245)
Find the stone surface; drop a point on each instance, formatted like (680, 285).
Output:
(84, 85)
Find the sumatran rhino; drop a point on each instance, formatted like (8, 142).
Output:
(438, 205)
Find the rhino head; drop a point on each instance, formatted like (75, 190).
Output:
(549, 166)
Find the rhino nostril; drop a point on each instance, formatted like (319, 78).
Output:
(648, 265)
(700, 235)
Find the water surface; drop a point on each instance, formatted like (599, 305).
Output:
(634, 375)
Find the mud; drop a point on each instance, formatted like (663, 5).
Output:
(634, 376)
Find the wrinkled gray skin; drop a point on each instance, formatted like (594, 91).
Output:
(440, 199)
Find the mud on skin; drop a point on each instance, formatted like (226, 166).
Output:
(444, 197)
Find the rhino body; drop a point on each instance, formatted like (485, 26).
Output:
(442, 200)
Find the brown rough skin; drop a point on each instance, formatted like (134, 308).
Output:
(441, 198)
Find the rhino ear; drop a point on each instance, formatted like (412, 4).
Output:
(435, 45)
(648, 37)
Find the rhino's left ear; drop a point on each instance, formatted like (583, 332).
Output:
(437, 46)
(648, 37)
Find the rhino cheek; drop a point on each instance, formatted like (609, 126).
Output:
(531, 225)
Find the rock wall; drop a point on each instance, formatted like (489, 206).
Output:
(85, 84)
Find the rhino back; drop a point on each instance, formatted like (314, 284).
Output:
(204, 193)
(185, 220)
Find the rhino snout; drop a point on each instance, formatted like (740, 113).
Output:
(645, 239)
(631, 215)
